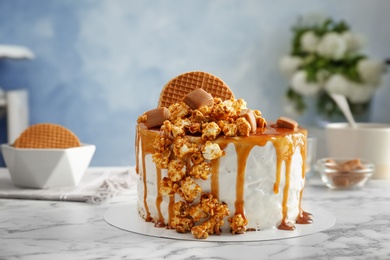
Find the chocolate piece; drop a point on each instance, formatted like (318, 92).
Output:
(198, 98)
(250, 117)
(285, 122)
(156, 117)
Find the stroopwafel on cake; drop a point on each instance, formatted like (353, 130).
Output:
(177, 88)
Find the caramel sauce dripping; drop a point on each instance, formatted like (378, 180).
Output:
(284, 151)
(242, 156)
(171, 212)
(146, 139)
(214, 186)
(160, 223)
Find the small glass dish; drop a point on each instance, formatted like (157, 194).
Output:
(344, 173)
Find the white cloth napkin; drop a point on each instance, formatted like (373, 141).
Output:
(97, 186)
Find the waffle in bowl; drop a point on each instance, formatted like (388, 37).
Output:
(177, 88)
(47, 135)
(47, 155)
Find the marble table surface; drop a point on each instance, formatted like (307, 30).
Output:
(72, 230)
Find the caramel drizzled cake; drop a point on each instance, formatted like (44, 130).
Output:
(207, 164)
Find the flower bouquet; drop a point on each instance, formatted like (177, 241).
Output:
(325, 58)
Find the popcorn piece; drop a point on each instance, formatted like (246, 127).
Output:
(261, 123)
(182, 225)
(221, 210)
(166, 129)
(200, 232)
(167, 187)
(230, 130)
(197, 116)
(142, 118)
(208, 203)
(250, 117)
(200, 171)
(195, 128)
(162, 159)
(211, 151)
(176, 170)
(238, 224)
(189, 190)
(206, 111)
(197, 158)
(182, 147)
(221, 111)
(162, 142)
(181, 209)
(196, 212)
(239, 105)
(210, 131)
(178, 110)
(243, 127)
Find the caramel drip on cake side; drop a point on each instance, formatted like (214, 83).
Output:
(303, 216)
(160, 223)
(242, 158)
(285, 149)
(137, 140)
(284, 142)
(145, 140)
(170, 211)
(215, 178)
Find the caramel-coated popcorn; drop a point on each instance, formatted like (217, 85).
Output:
(182, 225)
(168, 187)
(142, 118)
(162, 142)
(181, 209)
(210, 131)
(187, 161)
(212, 151)
(197, 213)
(182, 147)
(230, 130)
(243, 127)
(189, 190)
(178, 110)
(176, 170)
(200, 171)
(162, 159)
(238, 224)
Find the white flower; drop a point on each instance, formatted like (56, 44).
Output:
(309, 41)
(332, 46)
(337, 84)
(371, 71)
(289, 65)
(359, 93)
(300, 84)
(353, 40)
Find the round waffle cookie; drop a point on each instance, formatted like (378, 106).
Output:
(177, 88)
(47, 135)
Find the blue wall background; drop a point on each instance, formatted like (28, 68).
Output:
(100, 64)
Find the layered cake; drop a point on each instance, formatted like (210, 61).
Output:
(208, 164)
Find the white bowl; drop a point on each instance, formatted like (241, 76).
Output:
(47, 168)
(368, 140)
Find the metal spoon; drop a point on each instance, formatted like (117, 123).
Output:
(341, 101)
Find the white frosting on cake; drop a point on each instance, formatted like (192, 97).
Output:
(263, 202)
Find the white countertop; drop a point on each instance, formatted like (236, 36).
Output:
(72, 230)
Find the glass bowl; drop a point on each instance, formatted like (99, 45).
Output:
(344, 173)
